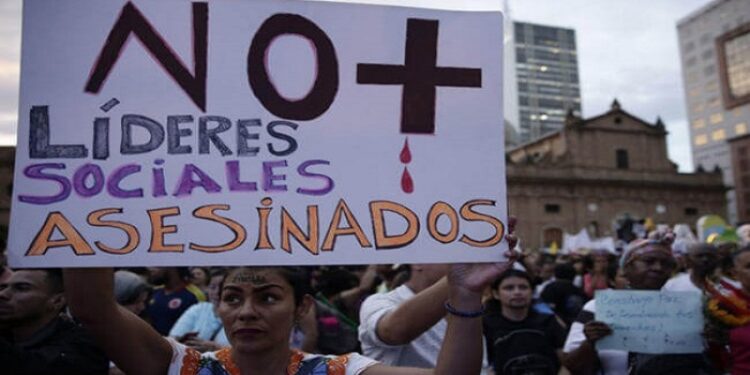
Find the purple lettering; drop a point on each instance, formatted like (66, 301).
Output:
(233, 178)
(269, 177)
(113, 183)
(187, 184)
(82, 174)
(302, 170)
(158, 186)
(36, 172)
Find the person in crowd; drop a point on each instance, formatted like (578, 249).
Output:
(131, 291)
(565, 299)
(386, 337)
(647, 265)
(519, 339)
(35, 338)
(199, 327)
(337, 301)
(728, 317)
(725, 249)
(701, 262)
(579, 264)
(743, 232)
(172, 296)
(258, 307)
(390, 276)
(199, 276)
(598, 276)
(620, 281)
(530, 261)
(546, 273)
(383, 333)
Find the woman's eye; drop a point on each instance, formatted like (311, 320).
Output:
(270, 298)
(231, 299)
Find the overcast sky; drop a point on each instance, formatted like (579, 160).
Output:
(626, 49)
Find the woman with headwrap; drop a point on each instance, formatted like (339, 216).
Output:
(647, 264)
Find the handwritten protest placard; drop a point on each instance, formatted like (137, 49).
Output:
(165, 132)
(651, 321)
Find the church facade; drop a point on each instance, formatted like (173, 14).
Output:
(603, 170)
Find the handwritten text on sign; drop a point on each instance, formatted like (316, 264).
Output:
(259, 132)
(651, 321)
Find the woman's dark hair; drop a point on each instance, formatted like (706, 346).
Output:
(512, 273)
(297, 277)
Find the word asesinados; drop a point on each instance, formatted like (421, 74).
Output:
(268, 231)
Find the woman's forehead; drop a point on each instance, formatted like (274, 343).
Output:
(254, 277)
(653, 254)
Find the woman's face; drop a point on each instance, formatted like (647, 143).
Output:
(258, 310)
(650, 270)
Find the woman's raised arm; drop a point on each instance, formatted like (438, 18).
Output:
(129, 341)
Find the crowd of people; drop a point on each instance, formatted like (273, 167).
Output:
(531, 313)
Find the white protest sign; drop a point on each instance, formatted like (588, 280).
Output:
(652, 322)
(257, 132)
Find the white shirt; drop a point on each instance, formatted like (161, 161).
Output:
(614, 362)
(681, 283)
(421, 352)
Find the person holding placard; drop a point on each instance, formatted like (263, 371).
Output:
(647, 265)
(258, 307)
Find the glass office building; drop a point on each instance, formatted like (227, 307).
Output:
(547, 78)
(715, 52)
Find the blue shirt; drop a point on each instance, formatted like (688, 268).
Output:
(165, 308)
(202, 319)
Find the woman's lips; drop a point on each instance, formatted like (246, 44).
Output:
(248, 332)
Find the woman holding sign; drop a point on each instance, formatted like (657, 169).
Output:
(647, 265)
(258, 307)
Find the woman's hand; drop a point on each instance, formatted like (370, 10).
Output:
(474, 278)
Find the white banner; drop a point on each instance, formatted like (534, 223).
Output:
(257, 132)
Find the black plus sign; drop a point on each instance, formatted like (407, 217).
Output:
(420, 75)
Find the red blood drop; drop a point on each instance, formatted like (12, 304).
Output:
(407, 184)
(405, 153)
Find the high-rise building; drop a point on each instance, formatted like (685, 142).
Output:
(715, 53)
(547, 78)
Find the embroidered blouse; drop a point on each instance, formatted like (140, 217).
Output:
(188, 361)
